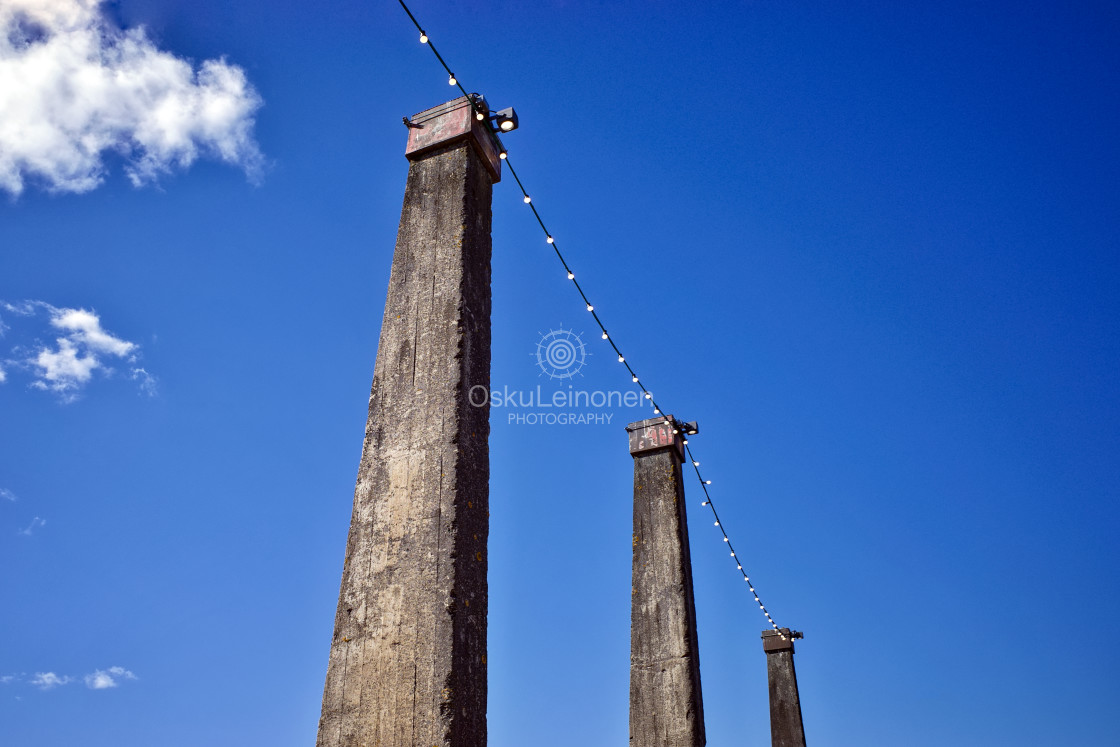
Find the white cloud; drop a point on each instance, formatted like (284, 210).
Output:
(147, 381)
(67, 366)
(3, 376)
(36, 523)
(49, 680)
(73, 87)
(27, 308)
(8, 495)
(103, 679)
(64, 370)
(85, 326)
(99, 679)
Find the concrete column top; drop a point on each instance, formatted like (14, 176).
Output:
(449, 123)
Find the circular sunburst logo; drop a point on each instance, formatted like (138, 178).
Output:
(561, 354)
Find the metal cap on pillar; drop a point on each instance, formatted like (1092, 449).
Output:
(655, 434)
(452, 122)
(780, 639)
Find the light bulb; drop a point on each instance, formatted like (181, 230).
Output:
(732, 553)
(656, 411)
(571, 276)
(635, 378)
(528, 199)
(707, 482)
(649, 396)
(451, 80)
(717, 523)
(604, 335)
(621, 359)
(502, 155)
(549, 239)
(423, 38)
(725, 539)
(479, 116)
(696, 464)
(590, 307)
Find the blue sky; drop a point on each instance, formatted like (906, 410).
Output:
(871, 248)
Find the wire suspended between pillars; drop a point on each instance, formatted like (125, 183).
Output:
(634, 378)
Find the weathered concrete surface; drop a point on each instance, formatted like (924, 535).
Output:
(786, 729)
(408, 658)
(666, 707)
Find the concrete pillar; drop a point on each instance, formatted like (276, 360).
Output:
(786, 729)
(408, 657)
(666, 708)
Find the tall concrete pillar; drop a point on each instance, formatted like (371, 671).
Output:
(666, 708)
(786, 729)
(408, 658)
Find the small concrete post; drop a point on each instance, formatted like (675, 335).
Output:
(666, 708)
(408, 657)
(786, 729)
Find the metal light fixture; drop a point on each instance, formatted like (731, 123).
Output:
(690, 429)
(506, 120)
(481, 108)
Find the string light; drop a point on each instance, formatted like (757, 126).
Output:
(738, 565)
(502, 154)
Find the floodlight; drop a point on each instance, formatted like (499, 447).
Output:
(506, 120)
